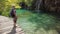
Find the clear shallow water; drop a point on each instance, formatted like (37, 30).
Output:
(33, 23)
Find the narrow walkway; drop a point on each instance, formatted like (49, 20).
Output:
(6, 26)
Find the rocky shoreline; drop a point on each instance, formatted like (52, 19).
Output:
(7, 26)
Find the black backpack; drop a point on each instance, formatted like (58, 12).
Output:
(12, 13)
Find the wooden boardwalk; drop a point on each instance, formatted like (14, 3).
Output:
(6, 26)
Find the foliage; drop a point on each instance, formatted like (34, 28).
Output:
(2, 6)
(28, 2)
(5, 5)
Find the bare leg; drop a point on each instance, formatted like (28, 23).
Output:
(15, 19)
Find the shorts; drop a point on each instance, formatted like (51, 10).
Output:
(12, 15)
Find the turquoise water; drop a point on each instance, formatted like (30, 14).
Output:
(33, 23)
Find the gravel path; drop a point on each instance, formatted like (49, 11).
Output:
(6, 26)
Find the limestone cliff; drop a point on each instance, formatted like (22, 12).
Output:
(49, 5)
(52, 5)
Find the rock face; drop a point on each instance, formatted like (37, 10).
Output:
(36, 3)
(23, 5)
(49, 5)
(52, 5)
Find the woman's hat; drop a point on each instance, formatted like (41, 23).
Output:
(13, 4)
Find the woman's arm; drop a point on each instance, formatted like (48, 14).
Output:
(14, 13)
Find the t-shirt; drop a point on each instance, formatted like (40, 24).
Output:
(12, 12)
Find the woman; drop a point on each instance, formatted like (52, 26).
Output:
(13, 15)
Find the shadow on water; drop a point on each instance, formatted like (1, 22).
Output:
(13, 31)
(57, 21)
(45, 20)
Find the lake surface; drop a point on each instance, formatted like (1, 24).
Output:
(34, 23)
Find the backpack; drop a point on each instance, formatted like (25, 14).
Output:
(12, 13)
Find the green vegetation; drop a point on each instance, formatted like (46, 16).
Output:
(5, 5)
(4, 8)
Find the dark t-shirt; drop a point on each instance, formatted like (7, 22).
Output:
(12, 13)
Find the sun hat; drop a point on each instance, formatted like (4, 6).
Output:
(13, 4)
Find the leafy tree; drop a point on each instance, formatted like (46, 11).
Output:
(2, 6)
